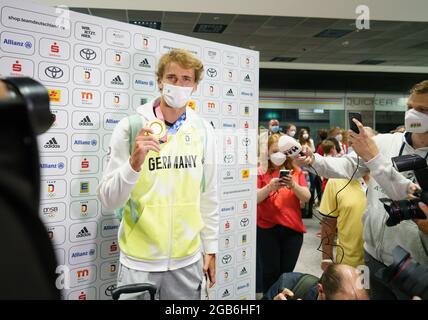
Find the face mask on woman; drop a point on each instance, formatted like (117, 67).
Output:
(274, 129)
(278, 158)
(339, 137)
(305, 136)
(292, 133)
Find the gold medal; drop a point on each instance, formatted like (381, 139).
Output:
(158, 127)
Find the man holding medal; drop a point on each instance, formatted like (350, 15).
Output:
(162, 178)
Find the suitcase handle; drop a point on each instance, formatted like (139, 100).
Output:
(133, 288)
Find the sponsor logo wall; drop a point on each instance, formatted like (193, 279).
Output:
(97, 72)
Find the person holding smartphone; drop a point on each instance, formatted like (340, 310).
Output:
(280, 227)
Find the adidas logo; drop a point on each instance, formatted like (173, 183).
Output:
(86, 121)
(225, 293)
(52, 144)
(83, 233)
(230, 93)
(243, 271)
(144, 63)
(117, 81)
(247, 78)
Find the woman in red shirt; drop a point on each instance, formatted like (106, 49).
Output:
(279, 218)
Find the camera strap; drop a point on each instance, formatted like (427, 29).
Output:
(402, 149)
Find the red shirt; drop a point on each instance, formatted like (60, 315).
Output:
(281, 207)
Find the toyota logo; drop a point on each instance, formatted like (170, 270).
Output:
(54, 72)
(228, 158)
(109, 289)
(244, 222)
(211, 72)
(246, 141)
(88, 54)
(226, 259)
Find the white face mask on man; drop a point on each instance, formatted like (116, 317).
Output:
(339, 137)
(176, 97)
(415, 121)
(278, 158)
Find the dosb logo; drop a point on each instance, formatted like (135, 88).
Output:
(52, 212)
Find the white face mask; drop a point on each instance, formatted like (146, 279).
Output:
(305, 136)
(292, 133)
(278, 158)
(176, 97)
(415, 121)
(339, 137)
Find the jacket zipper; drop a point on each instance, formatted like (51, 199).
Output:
(171, 175)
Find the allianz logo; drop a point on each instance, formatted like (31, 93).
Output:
(87, 253)
(110, 227)
(229, 125)
(112, 121)
(59, 165)
(243, 286)
(11, 42)
(245, 93)
(149, 83)
(92, 142)
(227, 209)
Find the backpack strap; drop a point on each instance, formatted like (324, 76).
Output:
(135, 125)
(201, 125)
(303, 285)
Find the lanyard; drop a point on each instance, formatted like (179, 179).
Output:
(176, 125)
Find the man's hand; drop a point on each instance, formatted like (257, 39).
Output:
(144, 142)
(307, 159)
(362, 144)
(209, 267)
(423, 223)
(286, 293)
(325, 263)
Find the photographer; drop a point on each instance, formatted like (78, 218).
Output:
(375, 156)
(279, 218)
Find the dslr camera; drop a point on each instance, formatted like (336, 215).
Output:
(406, 275)
(408, 209)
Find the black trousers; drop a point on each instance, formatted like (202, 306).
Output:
(279, 250)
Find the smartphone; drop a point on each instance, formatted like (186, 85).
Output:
(352, 125)
(284, 173)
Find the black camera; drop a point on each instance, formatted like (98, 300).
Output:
(24, 113)
(408, 209)
(406, 274)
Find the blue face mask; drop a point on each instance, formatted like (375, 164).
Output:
(274, 129)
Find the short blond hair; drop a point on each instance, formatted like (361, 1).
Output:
(420, 88)
(185, 59)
